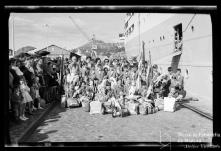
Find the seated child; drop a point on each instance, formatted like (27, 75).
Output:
(127, 83)
(120, 101)
(118, 88)
(133, 93)
(175, 93)
(109, 93)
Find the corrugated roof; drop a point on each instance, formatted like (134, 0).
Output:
(51, 46)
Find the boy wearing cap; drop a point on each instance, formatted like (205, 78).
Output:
(180, 79)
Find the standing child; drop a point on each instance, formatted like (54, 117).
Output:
(36, 96)
(25, 93)
(17, 103)
(20, 92)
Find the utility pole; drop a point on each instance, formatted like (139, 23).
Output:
(13, 36)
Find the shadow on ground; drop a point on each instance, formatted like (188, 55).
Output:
(53, 116)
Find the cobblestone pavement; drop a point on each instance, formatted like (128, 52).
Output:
(17, 128)
(76, 125)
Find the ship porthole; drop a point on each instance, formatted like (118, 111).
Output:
(186, 74)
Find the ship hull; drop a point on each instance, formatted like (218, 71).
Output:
(195, 59)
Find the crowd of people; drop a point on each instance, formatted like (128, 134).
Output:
(33, 83)
(119, 86)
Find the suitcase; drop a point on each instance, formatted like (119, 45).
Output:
(124, 112)
(116, 112)
(72, 102)
(96, 107)
(133, 108)
(143, 109)
(169, 104)
(86, 105)
(149, 110)
(107, 107)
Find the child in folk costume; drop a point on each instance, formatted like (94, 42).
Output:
(120, 101)
(127, 83)
(77, 91)
(83, 95)
(118, 74)
(119, 105)
(99, 73)
(75, 72)
(74, 95)
(118, 87)
(111, 71)
(27, 99)
(134, 73)
(133, 89)
(107, 97)
(109, 93)
(35, 92)
(72, 78)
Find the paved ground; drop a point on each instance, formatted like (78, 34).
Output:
(203, 105)
(74, 125)
(17, 128)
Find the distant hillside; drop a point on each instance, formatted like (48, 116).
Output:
(103, 49)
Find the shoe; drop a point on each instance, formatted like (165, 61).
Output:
(40, 108)
(25, 118)
(22, 118)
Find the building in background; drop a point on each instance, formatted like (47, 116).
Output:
(177, 40)
(56, 51)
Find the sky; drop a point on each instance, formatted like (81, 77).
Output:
(42, 29)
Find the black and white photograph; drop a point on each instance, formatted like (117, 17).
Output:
(110, 77)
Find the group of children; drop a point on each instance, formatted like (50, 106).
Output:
(121, 87)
